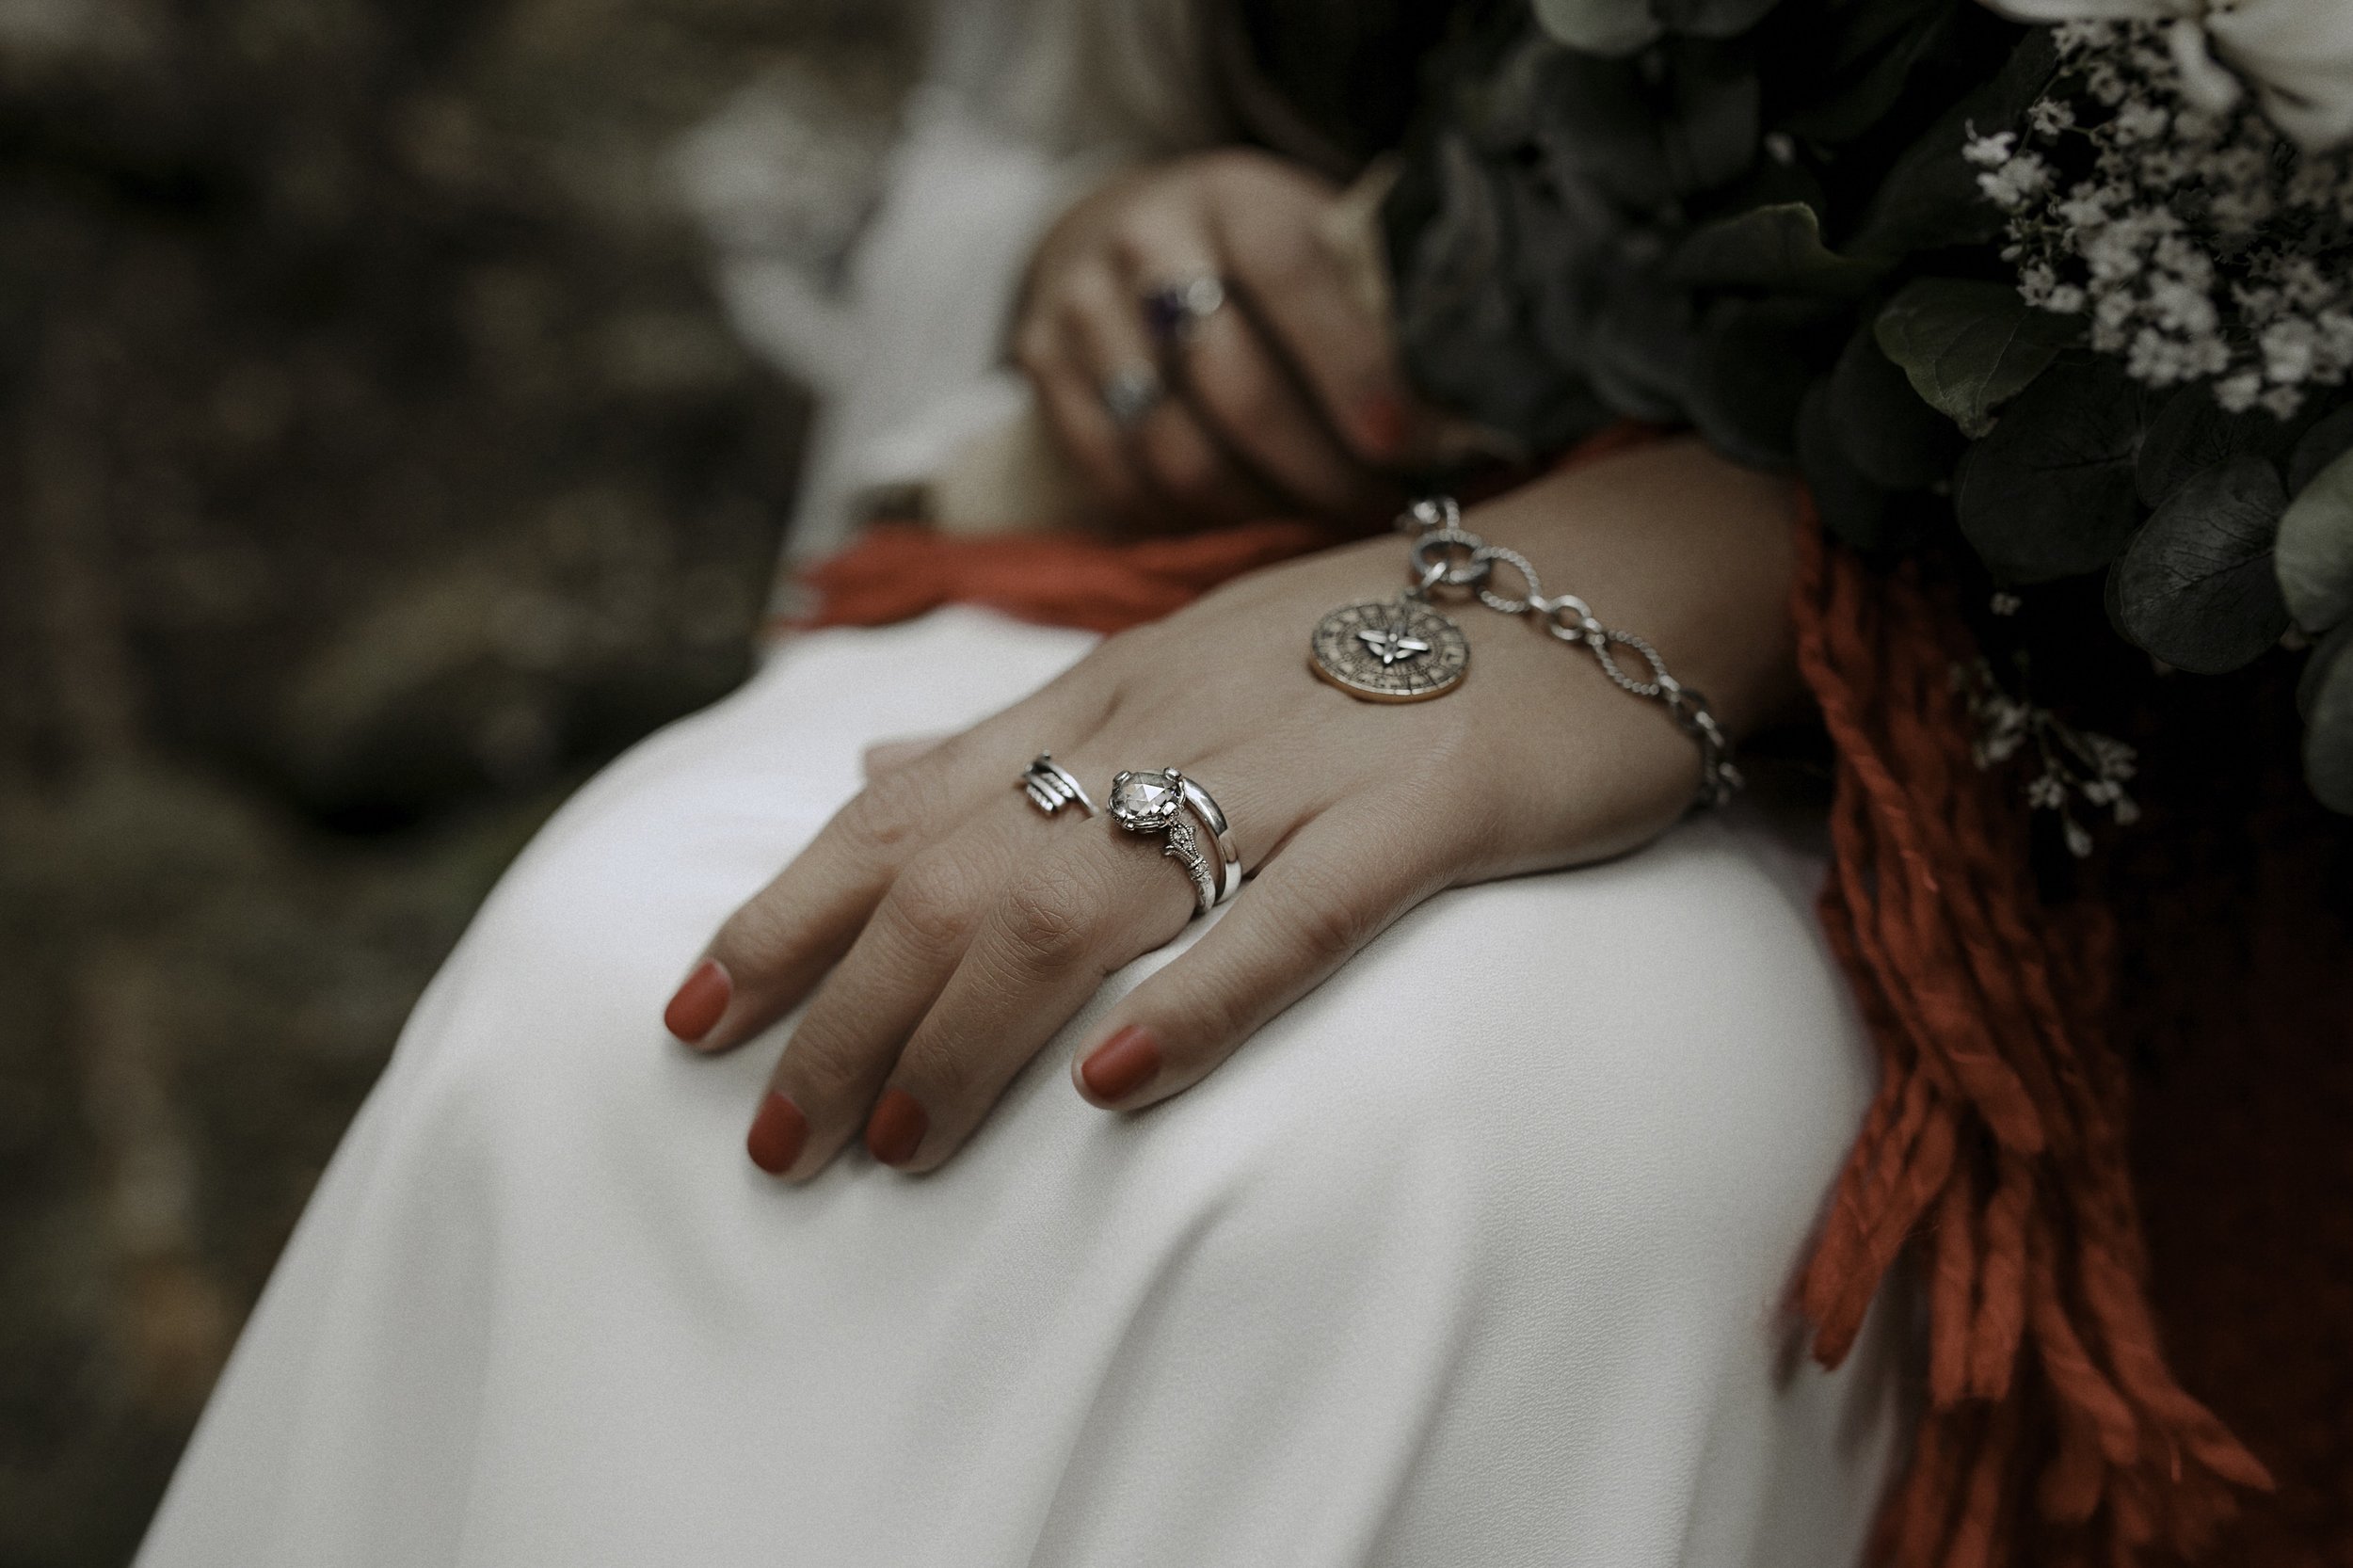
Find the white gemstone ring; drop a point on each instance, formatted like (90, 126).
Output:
(1156, 803)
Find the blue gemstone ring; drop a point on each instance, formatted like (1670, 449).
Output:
(1174, 312)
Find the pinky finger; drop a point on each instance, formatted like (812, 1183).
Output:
(1334, 888)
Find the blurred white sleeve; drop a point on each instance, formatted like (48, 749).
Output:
(1027, 104)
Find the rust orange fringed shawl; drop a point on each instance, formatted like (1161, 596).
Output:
(2053, 1433)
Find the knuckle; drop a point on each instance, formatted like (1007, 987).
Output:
(944, 1076)
(1327, 923)
(932, 905)
(754, 938)
(1050, 923)
(822, 1072)
(893, 811)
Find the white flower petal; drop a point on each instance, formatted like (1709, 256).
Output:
(1599, 27)
(2042, 12)
(2205, 81)
(2301, 54)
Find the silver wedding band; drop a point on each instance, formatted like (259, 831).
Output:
(1222, 833)
(1129, 394)
(1050, 785)
(1174, 310)
(1155, 802)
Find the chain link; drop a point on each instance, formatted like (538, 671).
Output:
(1446, 554)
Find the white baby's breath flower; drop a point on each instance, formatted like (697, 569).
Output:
(1991, 151)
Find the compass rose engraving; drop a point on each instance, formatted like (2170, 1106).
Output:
(1389, 650)
(1390, 644)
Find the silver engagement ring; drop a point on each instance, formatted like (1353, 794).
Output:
(1156, 803)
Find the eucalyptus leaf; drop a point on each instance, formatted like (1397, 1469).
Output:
(1931, 199)
(2323, 444)
(1715, 19)
(1712, 124)
(1853, 508)
(1750, 369)
(2050, 493)
(2325, 698)
(1868, 52)
(1600, 26)
(2192, 432)
(2196, 586)
(1777, 248)
(1969, 346)
(1885, 428)
(2315, 548)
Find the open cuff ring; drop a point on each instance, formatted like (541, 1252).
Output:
(1051, 786)
(1155, 802)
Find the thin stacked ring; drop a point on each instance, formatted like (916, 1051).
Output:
(1155, 802)
(1050, 785)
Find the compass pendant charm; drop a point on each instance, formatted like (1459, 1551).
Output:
(1389, 650)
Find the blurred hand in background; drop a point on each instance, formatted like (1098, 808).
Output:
(1275, 390)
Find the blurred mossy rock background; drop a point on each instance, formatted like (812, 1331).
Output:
(377, 459)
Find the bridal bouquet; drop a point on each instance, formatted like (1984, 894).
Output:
(2074, 277)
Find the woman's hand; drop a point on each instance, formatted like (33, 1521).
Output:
(1287, 397)
(941, 929)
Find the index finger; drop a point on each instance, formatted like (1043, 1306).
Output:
(772, 952)
(1312, 305)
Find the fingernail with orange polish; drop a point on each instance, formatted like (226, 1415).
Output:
(694, 1012)
(896, 1130)
(777, 1135)
(1122, 1064)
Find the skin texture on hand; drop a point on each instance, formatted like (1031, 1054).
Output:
(941, 930)
(1289, 398)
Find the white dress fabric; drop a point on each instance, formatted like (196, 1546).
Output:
(1478, 1255)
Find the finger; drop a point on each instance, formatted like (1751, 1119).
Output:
(1181, 459)
(888, 755)
(824, 1083)
(774, 948)
(1051, 351)
(1254, 402)
(1086, 908)
(1337, 883)
(1295, 284)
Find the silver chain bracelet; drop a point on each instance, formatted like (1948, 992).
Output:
(1403, 649)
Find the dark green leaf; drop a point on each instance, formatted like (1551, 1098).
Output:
(1894, 437)
(1748, 372)
(1777, 248)
(1930, 198)
(2319, 446)
(2050, 492)
(2192, 432)
(2195, 587)
(1599, 27)
(1866, 52)
(1712, 18)
(1710, 130)
(2325, 697)
(1969, 346)
(1864, 514)
(2315, 548)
